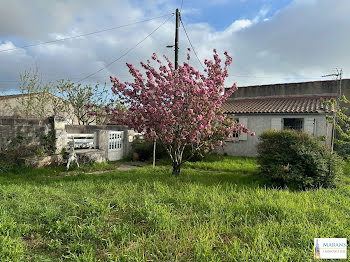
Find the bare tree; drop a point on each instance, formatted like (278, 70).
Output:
(79, 96)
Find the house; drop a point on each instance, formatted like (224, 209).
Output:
(36, 105)
(281, 106)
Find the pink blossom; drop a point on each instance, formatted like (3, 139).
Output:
(178, 107)
(154, 57)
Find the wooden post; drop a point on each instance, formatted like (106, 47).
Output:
(154, 153)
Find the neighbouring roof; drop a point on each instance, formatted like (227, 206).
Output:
(6, 97)
(10, 96)
(276, 105)
(326, 88)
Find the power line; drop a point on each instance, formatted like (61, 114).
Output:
(182, 2)
(128, 51)
(278, 76)
(87, 34)
(46, 78)
(194, 51)
(243, 76)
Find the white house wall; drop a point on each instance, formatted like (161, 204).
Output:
(247, 146)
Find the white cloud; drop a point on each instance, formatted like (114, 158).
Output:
(304, 40)
(238, 25)
(7, 45)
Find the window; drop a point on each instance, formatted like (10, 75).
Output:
(235, 135)
(293, 123)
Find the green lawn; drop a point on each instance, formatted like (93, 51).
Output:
(217, 210)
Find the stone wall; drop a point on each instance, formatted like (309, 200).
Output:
(33, 130)
(37, 132)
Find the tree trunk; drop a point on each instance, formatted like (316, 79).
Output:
(176, 169)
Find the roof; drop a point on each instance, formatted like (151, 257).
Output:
(6, 97)
(326, 81)
(10, 96)
(276, 105)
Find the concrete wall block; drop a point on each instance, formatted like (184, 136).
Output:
(19, 129)
(60, 140)
(78, 129)
(59, 123)
(28, 130)
(33, 122)
(21, 122)
(90, 156)
(32, 129)
(8, 121)
(4, 128)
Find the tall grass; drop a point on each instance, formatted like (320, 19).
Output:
(211, 213)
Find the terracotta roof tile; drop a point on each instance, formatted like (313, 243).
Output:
(276, 105)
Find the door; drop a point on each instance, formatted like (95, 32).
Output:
(309, 126)
(115, 145)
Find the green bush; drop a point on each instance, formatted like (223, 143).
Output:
(342, 148)
(5, 166)
(297, 160)
(145, 150)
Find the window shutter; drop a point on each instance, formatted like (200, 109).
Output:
(276, 123)
(243, 121)
(309, 125)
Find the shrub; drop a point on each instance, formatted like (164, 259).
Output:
(5, 166)
(342, 148)
(145, 149)
(297, 160)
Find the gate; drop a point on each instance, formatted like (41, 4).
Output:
(115, 145)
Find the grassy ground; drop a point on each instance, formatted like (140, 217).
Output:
(218, 210)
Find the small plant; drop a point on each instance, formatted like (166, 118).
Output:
(5, 167)
(297, 160)
(341, 119)
(47, 143)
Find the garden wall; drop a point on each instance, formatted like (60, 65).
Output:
(101, 134)
(50, 136)
(34, 131)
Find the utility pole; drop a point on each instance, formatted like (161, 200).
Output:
(177, 24)
(338, 75)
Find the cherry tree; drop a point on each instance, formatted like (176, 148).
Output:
(180, 108)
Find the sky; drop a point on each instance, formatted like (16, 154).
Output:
(271, 41)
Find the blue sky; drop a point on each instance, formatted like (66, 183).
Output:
(270, 41)
(220, 14)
